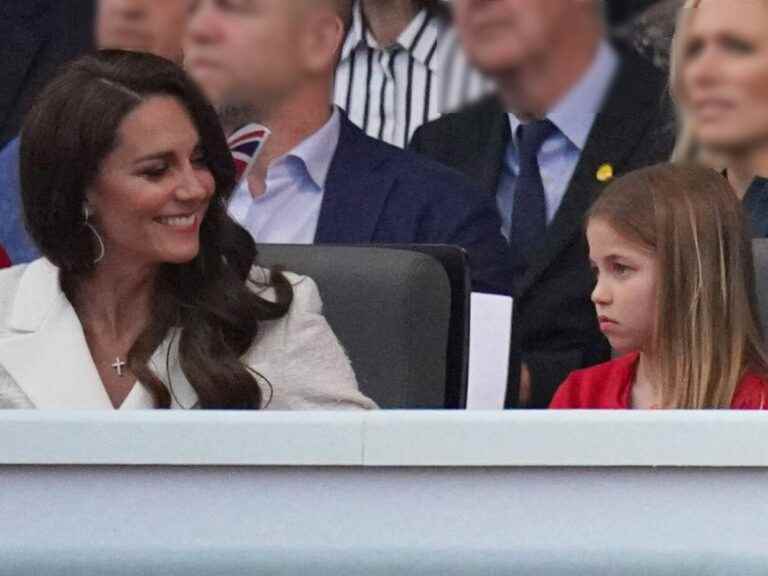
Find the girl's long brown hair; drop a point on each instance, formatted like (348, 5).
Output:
(706, 331)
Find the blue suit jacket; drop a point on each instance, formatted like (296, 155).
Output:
(376, 193)
(13, 235)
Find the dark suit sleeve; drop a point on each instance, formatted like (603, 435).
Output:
(38, 37)
(13, 234)
(417, 141)
(549, 370)
(428, 140)
(480, 234)
(478, 229)
(460, 214)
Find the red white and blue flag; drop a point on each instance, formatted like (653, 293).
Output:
(245, 145)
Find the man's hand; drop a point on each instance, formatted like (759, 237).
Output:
(524, 390)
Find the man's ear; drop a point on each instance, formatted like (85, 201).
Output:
(321, 40)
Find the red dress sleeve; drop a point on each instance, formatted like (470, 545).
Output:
(4, 260)
(567, 395)
(751, 393)
(604, 387)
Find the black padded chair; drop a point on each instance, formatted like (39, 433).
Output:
(392, 309)
(456, 264)
(760, 255)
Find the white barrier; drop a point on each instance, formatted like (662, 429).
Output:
(383, 493)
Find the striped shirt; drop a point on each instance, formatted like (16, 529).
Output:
(389, 92)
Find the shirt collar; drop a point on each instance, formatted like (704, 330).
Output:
(317, 151)
(575, 113)
(419, 38)
(355, 34)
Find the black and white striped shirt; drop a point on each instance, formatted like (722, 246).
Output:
(390, 92)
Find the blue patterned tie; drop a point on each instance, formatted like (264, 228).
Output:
(529, 212)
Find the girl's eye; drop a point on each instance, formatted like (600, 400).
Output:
(621, 269)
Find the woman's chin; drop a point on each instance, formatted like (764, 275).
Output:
(179, 256)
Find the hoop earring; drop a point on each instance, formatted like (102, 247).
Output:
(87, 215)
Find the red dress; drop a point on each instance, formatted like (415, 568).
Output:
(4, 260)
(609, 386)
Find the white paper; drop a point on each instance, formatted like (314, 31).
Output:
(490, 334)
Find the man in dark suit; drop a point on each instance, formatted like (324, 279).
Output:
(46, 33)
(38, 36)
(572, 112)
(317, 177)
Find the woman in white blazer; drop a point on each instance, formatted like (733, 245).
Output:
(148, 295)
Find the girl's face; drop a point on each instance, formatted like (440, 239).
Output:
(625, 288)
(724, 74)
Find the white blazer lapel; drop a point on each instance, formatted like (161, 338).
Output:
(45, 351)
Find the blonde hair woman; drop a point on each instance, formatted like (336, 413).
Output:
(719, 79)
(674, 295)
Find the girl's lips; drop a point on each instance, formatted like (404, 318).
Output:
(606, 323)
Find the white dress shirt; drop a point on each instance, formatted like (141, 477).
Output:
(288, 210)
(389, 91)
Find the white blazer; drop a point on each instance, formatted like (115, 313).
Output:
(45, 361)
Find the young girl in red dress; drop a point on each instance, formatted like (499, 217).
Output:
(674, 295)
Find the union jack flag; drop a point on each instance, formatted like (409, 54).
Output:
(245, 145)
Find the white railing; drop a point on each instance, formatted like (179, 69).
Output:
(383, 493)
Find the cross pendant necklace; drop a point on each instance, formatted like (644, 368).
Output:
(118, 366)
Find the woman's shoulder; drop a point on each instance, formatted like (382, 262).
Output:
(10, 280)
(306, 296)
(602, 386)
(299, 354)
(10, 277)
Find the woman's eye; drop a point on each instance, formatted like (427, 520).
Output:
(199, 160)
(156, 171)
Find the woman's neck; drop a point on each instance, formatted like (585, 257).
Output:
(744, 167)
(646, 389)
(115, 301)
(388, 18)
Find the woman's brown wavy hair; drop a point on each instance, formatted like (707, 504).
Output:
(67, 135)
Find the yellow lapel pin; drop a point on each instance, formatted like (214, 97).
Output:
(604, 173)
